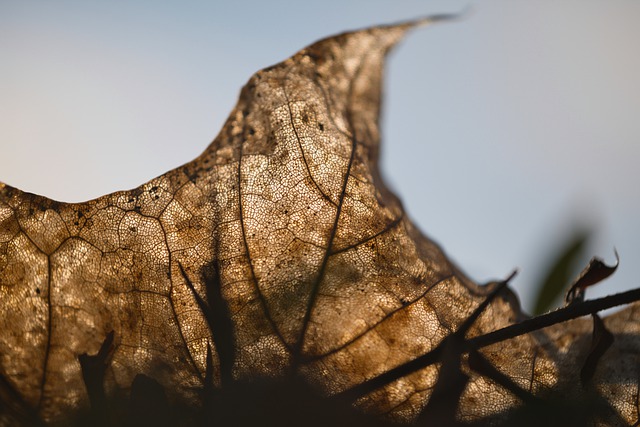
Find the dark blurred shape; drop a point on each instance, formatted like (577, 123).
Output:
(601, 340)
(93, 371)
(14, 409)
(282, 403)
(148, 405)
(560, 270)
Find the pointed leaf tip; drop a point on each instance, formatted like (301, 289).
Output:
(444, 17)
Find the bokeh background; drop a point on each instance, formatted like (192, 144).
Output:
(505, 132)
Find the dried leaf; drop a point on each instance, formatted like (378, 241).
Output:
(278, 254)
(479, 364)
(443, 402)
(594, 273)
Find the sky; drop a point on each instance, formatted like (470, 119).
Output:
(503, 132)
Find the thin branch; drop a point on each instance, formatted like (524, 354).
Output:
(530, 325)
(561, 315)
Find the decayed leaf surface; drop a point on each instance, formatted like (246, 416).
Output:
(277, 253)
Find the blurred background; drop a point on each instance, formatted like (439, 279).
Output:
(509, 135)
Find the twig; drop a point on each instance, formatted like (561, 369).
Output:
(536, 323)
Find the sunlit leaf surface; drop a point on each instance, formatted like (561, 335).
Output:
(276, 255)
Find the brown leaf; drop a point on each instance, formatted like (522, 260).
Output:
(279, 253)
(593, 273)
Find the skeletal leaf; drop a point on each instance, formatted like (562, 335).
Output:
(278, 253)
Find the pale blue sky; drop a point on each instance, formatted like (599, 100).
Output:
(501, 131)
